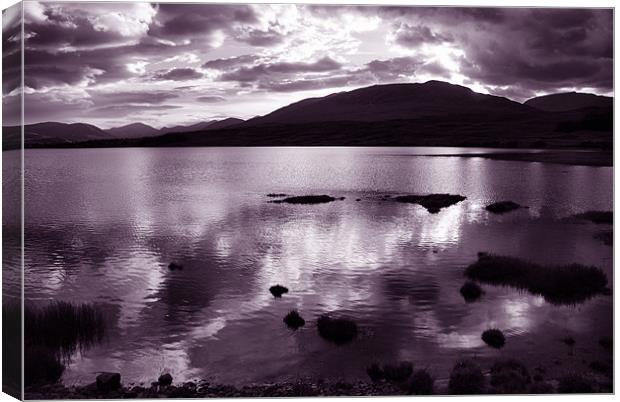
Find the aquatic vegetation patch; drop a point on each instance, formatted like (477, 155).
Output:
(510, 376)
(293, 320)
(53, 333)
(575, 383)
(471, 291)
(278, 290)
(336, 330)
(306, 199)
(558, 284)
(494, 338)
(598, 217)
(173, 266)
(276, 195)
(432, 202)
(422, 383)
(466, 378)
(502, 207)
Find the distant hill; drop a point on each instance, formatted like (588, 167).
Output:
(52, 133)
(135, 130)
(563, 102)
(202, 126)
(393, 102)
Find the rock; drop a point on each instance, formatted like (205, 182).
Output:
(164, 380)
(293, 320)
(471, 291)
(432, 202)
(494, 338)
(502, 207)
(278, 290)
(175, 267)
(107, 382)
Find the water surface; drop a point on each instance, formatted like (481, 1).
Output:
(102, 225)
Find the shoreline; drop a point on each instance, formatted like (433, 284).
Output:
(558, 157)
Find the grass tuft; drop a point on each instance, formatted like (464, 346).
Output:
(560, 284)
(494, 338)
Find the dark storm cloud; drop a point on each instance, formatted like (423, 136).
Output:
(412, 36)
(210, 99)
(11, 46)
(246, 74)
(230, 62)
(256, 37)
(146, 97)
(179, 74)
(190, 21)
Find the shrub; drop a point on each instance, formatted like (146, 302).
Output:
(466, 378)
(337, 330)
(293, 320)
(422, 383)
(278, 290)
(494, 338)
(561, 284)
(471, 291)
(510, 377)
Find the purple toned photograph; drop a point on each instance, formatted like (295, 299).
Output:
(295, 200)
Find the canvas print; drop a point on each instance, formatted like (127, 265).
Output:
(249, 200)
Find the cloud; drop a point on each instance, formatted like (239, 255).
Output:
(257, 37)
(246, 74)
(179, 74)
(230, 62)
(142, 97)
(211, 99)
(417, 35)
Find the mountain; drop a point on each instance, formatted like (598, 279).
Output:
(569, 101)
(226, 123)
(52, 133)
(135, 130)
(393, 102)
(202, 126)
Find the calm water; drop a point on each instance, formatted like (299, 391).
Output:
(102, 226)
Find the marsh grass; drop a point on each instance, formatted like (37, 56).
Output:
(53, 333)
(336, 330)
(278, 290)
(510, 376)
(422, 383)
(558, 284)
(466, 378)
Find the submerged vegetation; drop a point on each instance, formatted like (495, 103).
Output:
(502, 207)
(494, 338)
(432, 202)
(599, 217)
(306, 199)
(336, 330)
(560, 284)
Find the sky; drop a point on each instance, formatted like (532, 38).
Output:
(112, 64)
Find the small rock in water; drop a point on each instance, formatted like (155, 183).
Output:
(165, 380)
(278, 290)
(494, 338)
(502, 207)
(108, 381)
(175, 267)
(293, 320)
